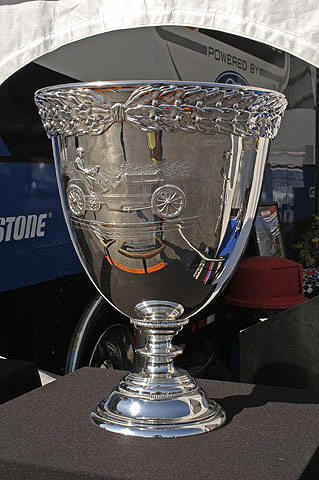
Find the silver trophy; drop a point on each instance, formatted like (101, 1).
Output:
(159, 184)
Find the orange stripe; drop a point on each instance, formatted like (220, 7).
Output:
(157, 267)
(108, 259)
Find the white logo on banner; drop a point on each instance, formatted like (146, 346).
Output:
(23, 226)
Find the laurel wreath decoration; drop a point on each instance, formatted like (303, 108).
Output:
(85, 110)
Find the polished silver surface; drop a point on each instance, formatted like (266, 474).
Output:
(159, 182)
(165, 106)
(159, 400)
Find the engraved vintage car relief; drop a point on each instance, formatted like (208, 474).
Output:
(89, 189)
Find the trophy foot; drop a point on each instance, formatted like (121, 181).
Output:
(184, 415)
(159, 400)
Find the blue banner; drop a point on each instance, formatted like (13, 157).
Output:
(34, 241)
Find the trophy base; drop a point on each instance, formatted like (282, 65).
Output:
(158, 400)
(190, 413)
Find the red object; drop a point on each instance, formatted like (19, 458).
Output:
(267, 282)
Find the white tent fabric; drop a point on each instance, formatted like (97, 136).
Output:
(29, 29)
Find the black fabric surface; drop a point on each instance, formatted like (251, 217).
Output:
(283, 350)
(16, 378)
(272, 433)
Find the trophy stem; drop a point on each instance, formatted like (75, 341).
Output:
(159, 400)
(159, 323)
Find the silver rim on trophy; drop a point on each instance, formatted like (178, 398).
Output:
(159, 183)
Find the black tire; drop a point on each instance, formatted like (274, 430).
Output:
(102, 338)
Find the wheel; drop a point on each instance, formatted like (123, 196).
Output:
(103, 338)
(76, 200)
(94, 204)
(168, 201)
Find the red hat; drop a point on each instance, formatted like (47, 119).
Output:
(267, 282)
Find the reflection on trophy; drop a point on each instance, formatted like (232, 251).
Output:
(159, 183)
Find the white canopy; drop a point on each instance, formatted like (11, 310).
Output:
(29, 29)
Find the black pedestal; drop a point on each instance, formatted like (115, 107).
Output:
(17, 377)
(272, 433)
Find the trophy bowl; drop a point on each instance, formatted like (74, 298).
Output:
(159, 183)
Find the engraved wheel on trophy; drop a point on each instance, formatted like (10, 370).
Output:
(168, 201)
(76, 200)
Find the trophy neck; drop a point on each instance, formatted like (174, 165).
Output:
(159, 311)
(159, 322)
